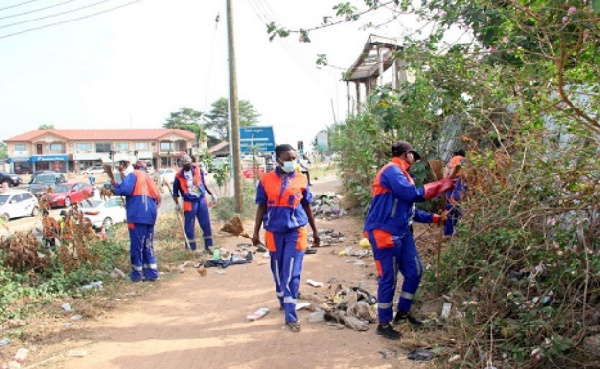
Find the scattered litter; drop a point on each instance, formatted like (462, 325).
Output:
(327, 206)
(421, 354)
(365, 244)
(14, 365)
(220, 271)
(332, 280)
(388, 353)
(66, 307)
(76, 317)
(316, 317)
(446, 307)
(454, 358)
(257, 314)
(117, 274)
(336, 325)
(21, 355)
(5, 342)
(302, 305)
(314, 283)
(202, 271)
(77, 353)
(97, 284)
(68, 324)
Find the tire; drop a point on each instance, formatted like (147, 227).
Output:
(107, 222)
(67, 202)
(35, 211)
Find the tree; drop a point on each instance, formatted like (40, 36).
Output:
(46, 126)
(217, 120)
(187, 119)
(3, 151)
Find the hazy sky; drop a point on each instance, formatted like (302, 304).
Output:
(131, 67)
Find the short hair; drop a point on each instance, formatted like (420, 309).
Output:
(460, 152)
(280, 149)
(45, 212)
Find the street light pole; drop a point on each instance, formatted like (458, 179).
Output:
(234, 114)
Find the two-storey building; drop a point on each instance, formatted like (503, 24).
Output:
(65, 150)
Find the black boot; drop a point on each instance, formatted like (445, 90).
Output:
(388, 332)
(402, 315)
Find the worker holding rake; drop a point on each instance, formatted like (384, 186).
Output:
(283, 199)
(387, 227)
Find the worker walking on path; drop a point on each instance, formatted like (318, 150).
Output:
(387, 227)
(142, 200)
(283, 200)
(190, 184)
(453, 196)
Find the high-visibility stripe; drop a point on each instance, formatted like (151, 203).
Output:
(289, 300)
(408, 296)
(287, 283)
(150, 266)
(384, 305)
(279, 294)
(137, 268)
(277, 274)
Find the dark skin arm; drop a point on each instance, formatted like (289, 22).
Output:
(261, 210)
(311, 221)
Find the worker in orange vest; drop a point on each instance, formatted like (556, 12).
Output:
(283, 198)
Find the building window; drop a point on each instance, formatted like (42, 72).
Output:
(141, 145)
(103, 147)
(84, 147)
(56, 147)
(122, 146)
(20, 147)
(166, 146)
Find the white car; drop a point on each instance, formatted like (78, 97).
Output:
(94, 170)
(167, 175)
(104, 213)
(14, 204)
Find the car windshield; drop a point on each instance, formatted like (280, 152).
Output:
(3, 199)
(90, 203)
(61, 189)
(43, 179)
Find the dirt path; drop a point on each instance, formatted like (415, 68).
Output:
(196, 322)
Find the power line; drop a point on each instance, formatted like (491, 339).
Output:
(70, 20)
(37, 10)
(14, 6)
(55, 14)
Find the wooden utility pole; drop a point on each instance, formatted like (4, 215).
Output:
(235, 115)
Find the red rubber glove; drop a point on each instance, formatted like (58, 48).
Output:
(433, 189)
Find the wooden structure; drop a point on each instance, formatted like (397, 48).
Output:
(371, 68)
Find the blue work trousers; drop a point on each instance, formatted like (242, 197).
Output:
(286, 265)
(402, 257)
(198, 209)
(143, 260)
(454, 214)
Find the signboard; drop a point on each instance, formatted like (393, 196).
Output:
(261, 138)
(37, 158)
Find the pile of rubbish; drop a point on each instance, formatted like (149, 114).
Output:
(342, 306)
(327, 206)
(329, 237)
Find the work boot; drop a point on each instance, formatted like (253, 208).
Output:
(401, 315)
(388, 332)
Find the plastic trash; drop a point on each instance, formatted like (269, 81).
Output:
(118, 272)
(257, 314)
(77, 353)
(13, 365)
(21, 354)
(216, 254)
(76, 317)
(302, 305)
(66, 307)
(314, 283)
(446, 307)
(364, 244)
(421, 354)
(97, 284)
(5, 342)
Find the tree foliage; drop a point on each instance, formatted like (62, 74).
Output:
(186, 119)
(3, 151)
(46, 126)
(217, 119)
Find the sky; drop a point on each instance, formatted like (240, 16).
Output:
(132, 66)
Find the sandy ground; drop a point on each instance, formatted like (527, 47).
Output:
(200, 322)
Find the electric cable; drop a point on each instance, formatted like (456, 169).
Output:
(16, 5)
(69, 20)
(37, 10)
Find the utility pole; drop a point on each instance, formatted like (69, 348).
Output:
(234, 113)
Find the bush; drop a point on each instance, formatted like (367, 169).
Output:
(225, 209)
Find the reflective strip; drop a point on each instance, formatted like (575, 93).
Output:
(208, 237)
(384, 305)
(277, 274)
(418, 266)
(289, 300)
(406, 295)
(395, 266)
(279, 294)
(287, 283)
(137, 268)
(150, 266)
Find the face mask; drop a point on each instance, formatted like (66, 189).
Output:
(128, 170)
(288, 166)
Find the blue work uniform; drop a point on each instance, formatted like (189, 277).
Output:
(388, 228)
(142, 200)
(285, 232)
(190, 186)
(453, 198)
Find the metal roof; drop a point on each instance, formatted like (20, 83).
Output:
(367, 64)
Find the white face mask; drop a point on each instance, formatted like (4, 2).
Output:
(288, 166)
(128, 170)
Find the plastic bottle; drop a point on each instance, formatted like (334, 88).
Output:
(217, 254)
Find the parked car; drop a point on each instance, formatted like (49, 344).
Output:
(70, 193)
(12, 179)
(18, 203)
(23, 169)
(108, 185)
(104, 213)
(33, 175)
(41, 182)
(94, 170)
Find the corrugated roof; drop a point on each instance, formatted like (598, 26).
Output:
(217, 147)
(103, 134)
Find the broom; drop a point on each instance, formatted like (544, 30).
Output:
(438, 172)
(187, 242)
(235, 227)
